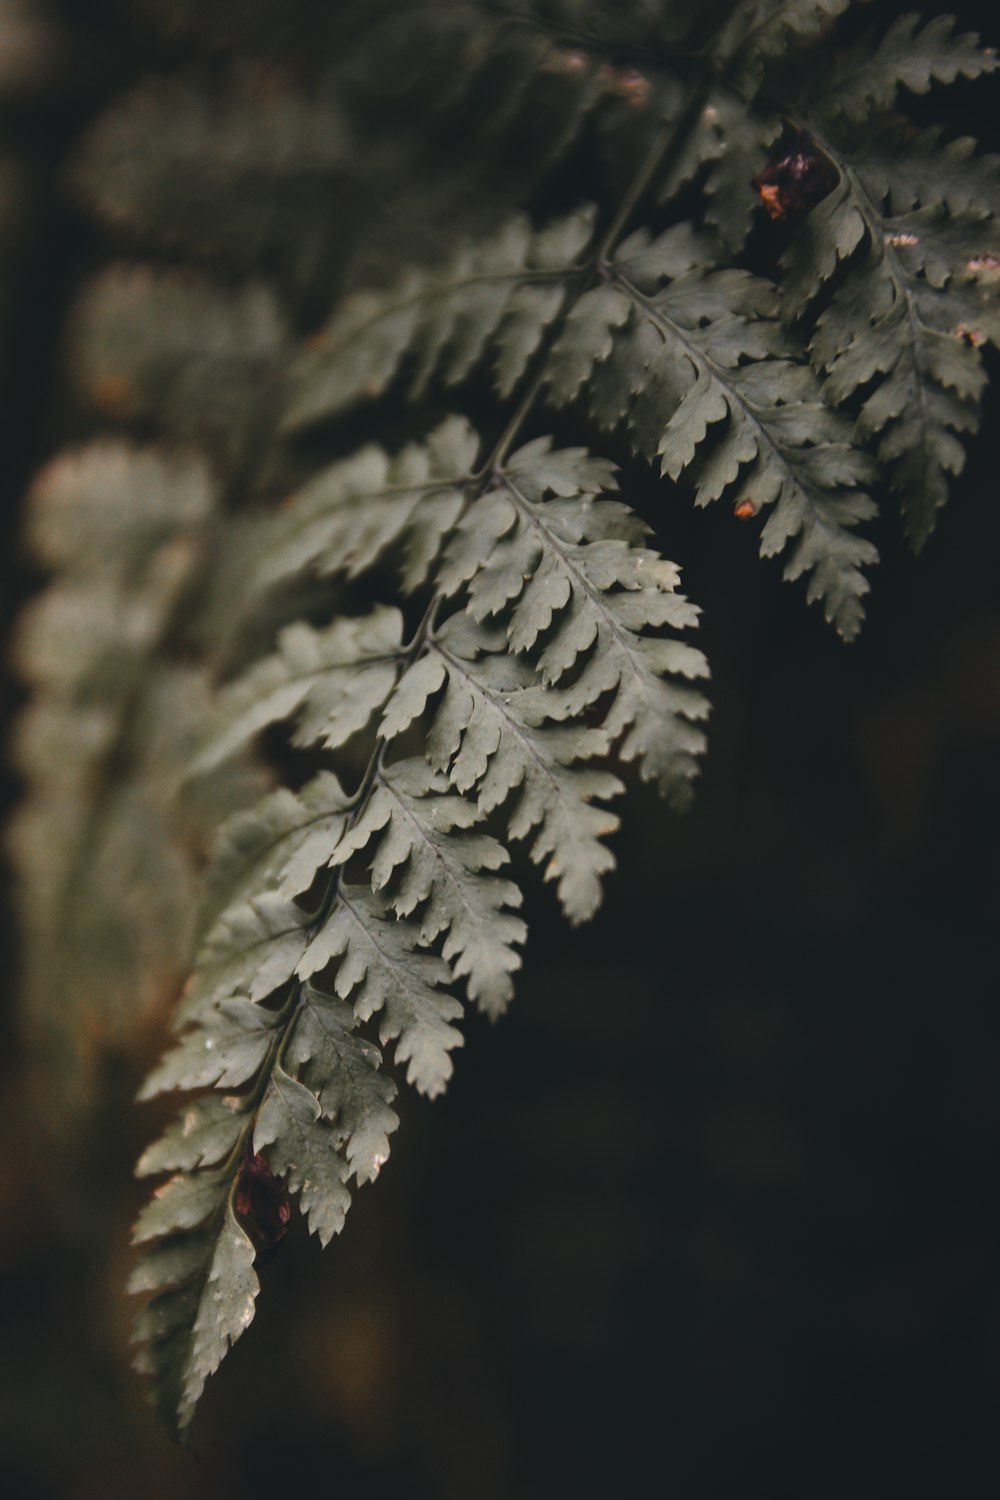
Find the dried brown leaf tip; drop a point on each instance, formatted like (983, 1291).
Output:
(262, 1201)
(791, 187)
(564, 60)
(985, 267)
(628, 83)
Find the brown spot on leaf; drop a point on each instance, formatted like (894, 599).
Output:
(262, 1200)
(985, 267)
(791, 187)
(628, 83)
(563, 60)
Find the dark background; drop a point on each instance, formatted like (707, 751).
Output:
(715, 1208)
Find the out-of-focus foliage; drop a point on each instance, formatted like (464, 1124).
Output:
(108, 838)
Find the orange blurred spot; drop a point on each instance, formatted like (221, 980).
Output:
(967, 335)
(773, 200)
(628, 83)
(113, 395)
(563, 61)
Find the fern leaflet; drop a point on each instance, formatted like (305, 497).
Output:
(913, 223)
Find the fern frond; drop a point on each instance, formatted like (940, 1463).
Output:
(699, 358)
(313, 1099)
(745, 136)
(350, 514)
(329, 682)
(428, 855)
(226, 1050)
(176, 350)
(544, 647)
(186, 162)
(699, 369)
(200, 1262)
(201, 1136)
(762, 33)
(718, 140)
(489, 736)
(385, 970)
(279, 989)
(915, 223)
(580, 599)
(500, 293)
(112, 508)
(278, 845)
(317, 1104)
(106, 860)
(205, 1289)
(867, 78)
(342, 1070)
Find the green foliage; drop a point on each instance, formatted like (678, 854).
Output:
(502, 292)
(231, 172)
(460, 636)
(108, 838)
(175, 349)
(687, 355)
(908, 316)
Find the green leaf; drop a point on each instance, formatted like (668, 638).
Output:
(490, 737)
(702, 374)
(867, 78)
(205, 1131)
(342, 1069)
(586, 339)
(181, 1203)
(549, 645)
(169, 1262)
(252, 950)
(349, 514)
(277, 845)
(106, 509)
(383, 969)
(565, 570)
(227, 1049)
(419, 832)
(498, 293)
(301, 1147)
(746, 136)
(185, 161)
(329, 682)
(762, 32)
(173, 349)
(904, 325)
(187, 1330)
